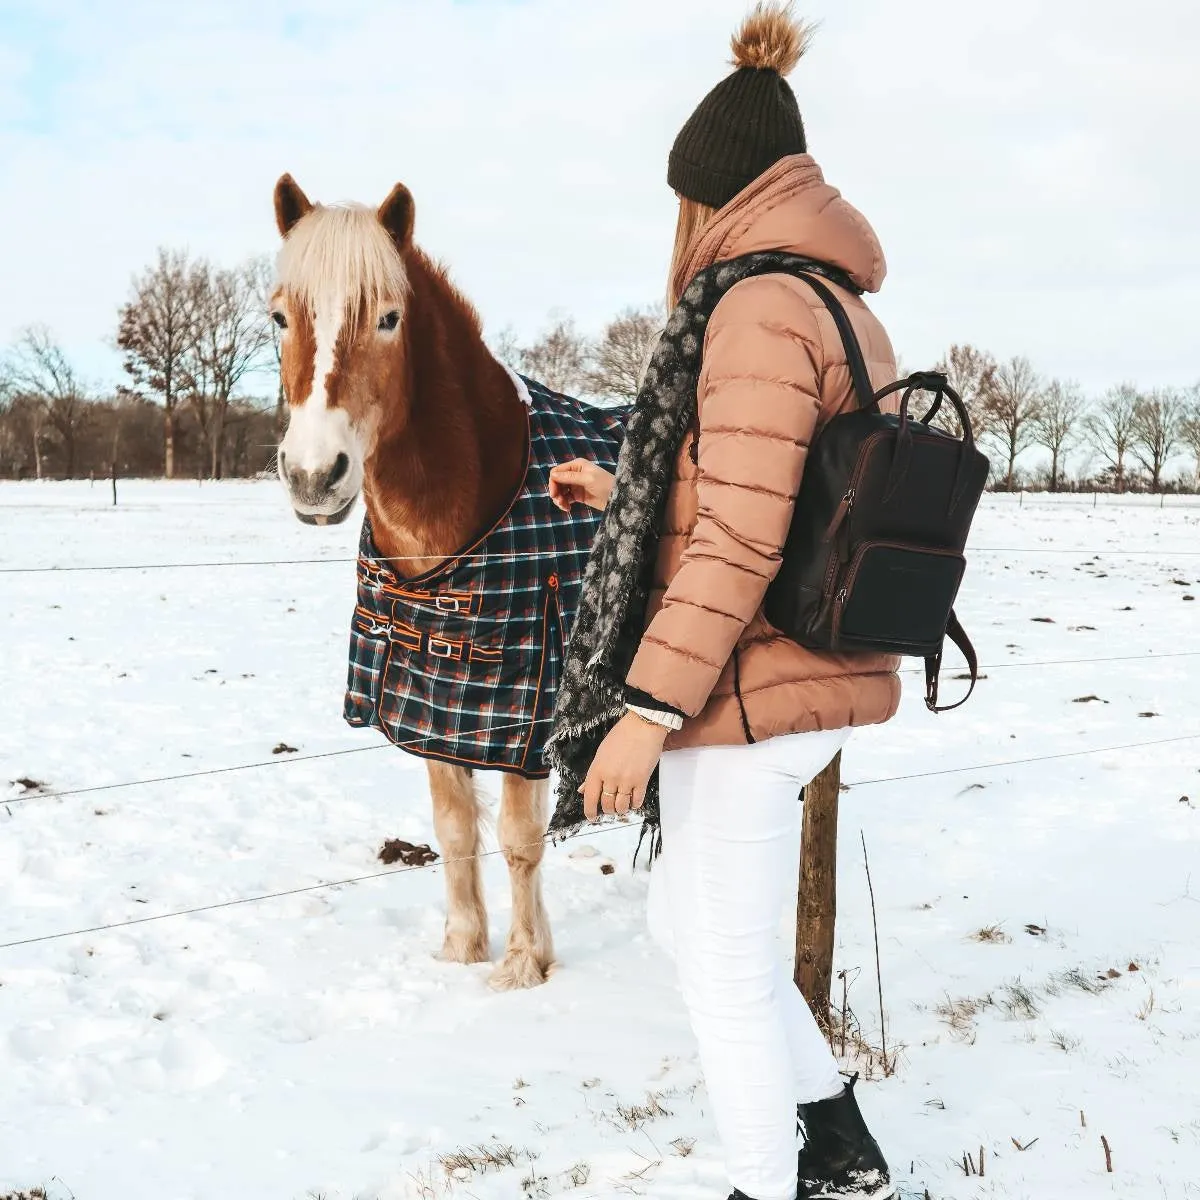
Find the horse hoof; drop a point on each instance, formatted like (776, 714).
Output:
(458, 949)
(519, 970)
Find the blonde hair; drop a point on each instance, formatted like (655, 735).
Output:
(693, 217)
(340, 257)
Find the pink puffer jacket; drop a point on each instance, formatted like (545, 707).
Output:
(774, 372)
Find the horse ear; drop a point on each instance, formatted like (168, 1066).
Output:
(290, 204)
(397, 214)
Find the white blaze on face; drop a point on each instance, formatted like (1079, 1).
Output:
(330, 257)
(317, 434)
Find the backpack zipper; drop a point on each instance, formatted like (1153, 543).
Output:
(839, 517)
(841, 513)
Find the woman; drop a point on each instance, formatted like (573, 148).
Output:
(736, 717)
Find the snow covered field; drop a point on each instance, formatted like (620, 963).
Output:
(310, 1045)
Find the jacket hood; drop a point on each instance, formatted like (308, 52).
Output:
(790, 207)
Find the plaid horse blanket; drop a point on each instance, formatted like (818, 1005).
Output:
(462, 664)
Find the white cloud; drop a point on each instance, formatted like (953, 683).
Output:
(1031, 170)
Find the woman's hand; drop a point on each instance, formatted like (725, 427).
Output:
(622, 767)
(580, 482)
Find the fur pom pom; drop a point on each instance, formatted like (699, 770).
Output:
(771, 38)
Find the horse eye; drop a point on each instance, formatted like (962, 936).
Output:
(389, 321)
(279, 319)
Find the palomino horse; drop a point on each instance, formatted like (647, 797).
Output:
(392, 392)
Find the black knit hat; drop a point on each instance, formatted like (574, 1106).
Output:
(750, 120)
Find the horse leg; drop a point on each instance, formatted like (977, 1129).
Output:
(524, 813)
(456, 821)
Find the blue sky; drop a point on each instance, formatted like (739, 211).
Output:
(1032, 176)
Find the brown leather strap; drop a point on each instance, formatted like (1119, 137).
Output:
(933, 666)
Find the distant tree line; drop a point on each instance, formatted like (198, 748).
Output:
(195, 339)
(1125, 440)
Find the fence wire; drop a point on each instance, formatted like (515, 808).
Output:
(102, 568)
(316, 887)
(284, 760)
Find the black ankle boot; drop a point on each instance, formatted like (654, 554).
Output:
(840, 1160)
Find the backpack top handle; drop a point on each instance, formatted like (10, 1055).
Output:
(936, 382)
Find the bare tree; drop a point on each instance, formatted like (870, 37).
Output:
(970, 372)
(1058, 422)
(155, 334)
(39, 369)
(262, 270)
(1156, 428)
(10, 431)
(1012, 403)
(559, 358)
(229, 339)
(1110, 429)
(506, 346)
(1189, 428)
(619, 358)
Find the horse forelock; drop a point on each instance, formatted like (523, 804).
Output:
(340, 260)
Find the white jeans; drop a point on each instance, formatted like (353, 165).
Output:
(730, 823)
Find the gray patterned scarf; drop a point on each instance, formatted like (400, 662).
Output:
(610, 619)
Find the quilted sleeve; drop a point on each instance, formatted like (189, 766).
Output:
(758, 404)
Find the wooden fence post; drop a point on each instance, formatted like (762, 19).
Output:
(816, 906)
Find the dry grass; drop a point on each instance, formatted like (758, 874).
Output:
(1064, 1041)
(1146, 1008)
(848, 1040)
(1018, 1001)
(960, 1014)
(993, 934)
(461, 1164)
(36, 1194)
(1076, 979)
(634, 1116)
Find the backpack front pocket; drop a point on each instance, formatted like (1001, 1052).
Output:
(896, 598)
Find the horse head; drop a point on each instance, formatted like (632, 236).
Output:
(340, 299)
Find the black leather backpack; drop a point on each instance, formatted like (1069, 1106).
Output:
(874, 557)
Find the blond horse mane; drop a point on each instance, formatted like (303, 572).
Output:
(339, 258)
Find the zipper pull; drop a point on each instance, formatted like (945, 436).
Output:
(843, 511)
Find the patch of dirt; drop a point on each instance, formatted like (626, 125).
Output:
(284, 748)
(29, 785)
(1088, 700)
(394, 850)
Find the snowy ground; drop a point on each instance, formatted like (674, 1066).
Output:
(310, 1045)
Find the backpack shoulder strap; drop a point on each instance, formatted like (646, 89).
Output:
(814, 273)
(933, 666)
(854, 356)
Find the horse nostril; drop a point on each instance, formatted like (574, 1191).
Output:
(341, 466)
